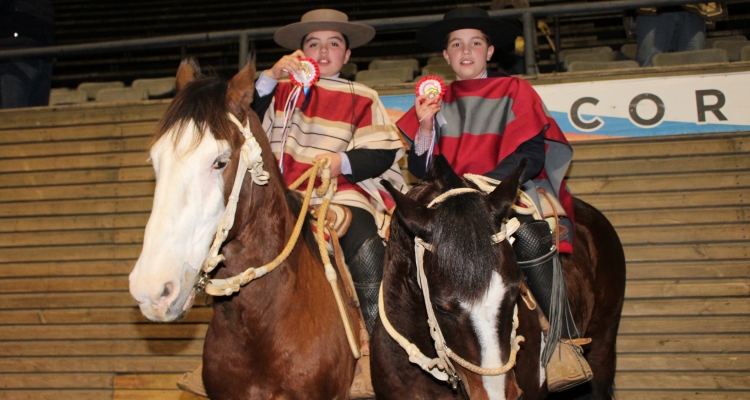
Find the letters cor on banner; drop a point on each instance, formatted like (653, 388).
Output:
(651, 106)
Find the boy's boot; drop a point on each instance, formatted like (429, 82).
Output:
(542, 269)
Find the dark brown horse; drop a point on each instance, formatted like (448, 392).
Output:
(281, 336)
(474, 287)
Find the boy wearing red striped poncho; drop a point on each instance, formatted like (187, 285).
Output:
(344, 121)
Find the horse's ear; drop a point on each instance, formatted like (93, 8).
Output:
(240, 89)
(417, 217)
(441, 170)
(505, 194)
(188, 71)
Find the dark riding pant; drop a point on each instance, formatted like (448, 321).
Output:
(363, 251)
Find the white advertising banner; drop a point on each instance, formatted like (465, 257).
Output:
(652, 106)
(643, 106)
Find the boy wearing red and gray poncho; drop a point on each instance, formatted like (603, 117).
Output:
(485, 124)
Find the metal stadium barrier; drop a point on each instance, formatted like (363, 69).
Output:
(383, 24)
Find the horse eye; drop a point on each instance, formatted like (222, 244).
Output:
(220, 163)
(444, 309)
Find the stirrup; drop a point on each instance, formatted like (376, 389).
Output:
(362, 384)
(192, 382)
(567, 367)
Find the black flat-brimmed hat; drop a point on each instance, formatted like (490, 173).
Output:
(500, 32)
(323, 19)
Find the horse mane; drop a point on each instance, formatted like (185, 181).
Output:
(462, 243)
(203, 101)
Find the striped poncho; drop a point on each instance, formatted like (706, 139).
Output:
(335, 116)
(483, 121)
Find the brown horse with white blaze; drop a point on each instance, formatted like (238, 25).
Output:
(281, 336)
(475, 295)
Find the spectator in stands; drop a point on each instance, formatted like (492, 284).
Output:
(341, 120)
(487, 122)
(659, 30)
(24, 24)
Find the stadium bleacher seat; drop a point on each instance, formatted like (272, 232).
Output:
(436, 60)
(349, 70)
(400, 74)
(118, 95)
(705, 56)
(578, 66)
(157, 88)
(91, 88)
(442, 70)
(590, 57)
(64, 96)
(387, 64)
(732, 47)
(629, 50)
(745, 53)
(710, 41)
(585, 50)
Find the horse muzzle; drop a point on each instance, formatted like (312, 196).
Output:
(165, 302)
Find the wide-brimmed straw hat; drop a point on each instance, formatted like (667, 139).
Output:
(323, 19)
(500, 32)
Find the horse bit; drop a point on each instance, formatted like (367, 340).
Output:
(441, 367)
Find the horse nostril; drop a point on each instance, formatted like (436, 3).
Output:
(167, 289)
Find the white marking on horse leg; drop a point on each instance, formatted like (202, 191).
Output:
(484, 316)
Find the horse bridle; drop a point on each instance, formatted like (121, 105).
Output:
(441, 367)
(251, 159)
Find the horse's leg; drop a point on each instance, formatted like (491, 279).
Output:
(225, 372)
(527, 367)
(602, 352)
(607, 264)
(602, 357)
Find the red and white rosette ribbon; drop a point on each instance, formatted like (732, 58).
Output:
(432, 86)
(307, 75)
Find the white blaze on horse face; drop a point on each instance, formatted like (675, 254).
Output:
(188, 206)
(484, 316)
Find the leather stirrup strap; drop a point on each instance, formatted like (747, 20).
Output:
(351, 294)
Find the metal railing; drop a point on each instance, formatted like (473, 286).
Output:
(244, 36)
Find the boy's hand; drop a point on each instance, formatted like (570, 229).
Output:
(426, 109)
(285, 64)
(335, 166)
